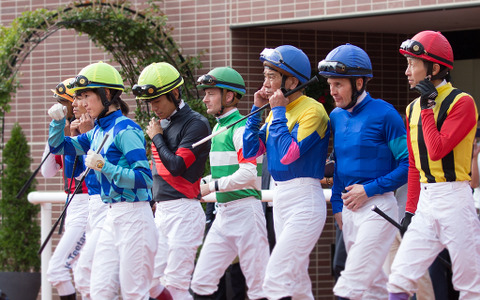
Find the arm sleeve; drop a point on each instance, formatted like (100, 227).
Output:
(395, 135)
(137, 175)
(61, 144)
(337, 188)
(413, 191)
(246, 175)
(457, 125)
(312, 127)
(50, 166)
(177, 163)
(254, 138)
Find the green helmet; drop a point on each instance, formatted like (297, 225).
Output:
(223, 78)
(155, 80)
(97, 75)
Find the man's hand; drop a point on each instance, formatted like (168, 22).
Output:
(407, 219)
(205, 189)
(355, 197)
(260, 98)
(278, 99)
(57, 112)
(154, 128)
(428, 93)
(94, 161)
(338, 218)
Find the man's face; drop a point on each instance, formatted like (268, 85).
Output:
(213, 100)
(272, 81)
(162, 106)
(341, 91)
(416, 71)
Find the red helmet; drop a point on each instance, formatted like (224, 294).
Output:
(429, 45)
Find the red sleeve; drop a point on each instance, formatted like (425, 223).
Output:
(457, 125)
(59, 160)
(413, 192)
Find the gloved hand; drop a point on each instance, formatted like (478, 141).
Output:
(405, 222)
(94, 161)
(428, 93)
(57, 112)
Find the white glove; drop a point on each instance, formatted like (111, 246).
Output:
(94, 161)
(57, 112)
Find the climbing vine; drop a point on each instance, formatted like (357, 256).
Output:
(134, 38)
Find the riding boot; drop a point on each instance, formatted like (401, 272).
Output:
(203, 297)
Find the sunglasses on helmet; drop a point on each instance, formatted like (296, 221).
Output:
(413, 47)
(274, 56)
(340, 68)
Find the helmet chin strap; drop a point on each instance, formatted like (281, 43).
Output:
(224, 100)
(355, 93)
(105, 102)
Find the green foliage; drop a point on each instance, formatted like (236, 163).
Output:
(19, 230)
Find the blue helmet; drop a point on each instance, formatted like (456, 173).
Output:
(346, 61)
(288, 59)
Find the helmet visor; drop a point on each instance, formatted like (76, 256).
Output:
(340, 68)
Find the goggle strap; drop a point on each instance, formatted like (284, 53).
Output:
(295, 71)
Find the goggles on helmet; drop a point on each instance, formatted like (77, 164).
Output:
(413, 47)
(340, 68)
(149, 90)
(145, 90)
(416, 48)
(82, 81)
(208, 79)
(61, 89)
(274, 56)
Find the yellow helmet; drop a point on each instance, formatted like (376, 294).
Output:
(62, 91)
(155, 80)
(97, 75)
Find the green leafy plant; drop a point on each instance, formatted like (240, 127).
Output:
(19, 230)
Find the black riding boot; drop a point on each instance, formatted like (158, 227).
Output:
(203, 297)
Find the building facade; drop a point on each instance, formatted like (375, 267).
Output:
(233, 33)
